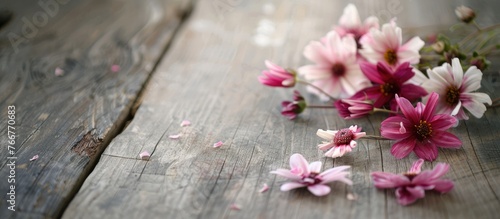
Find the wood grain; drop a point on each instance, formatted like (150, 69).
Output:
(209, 77)
(68, 119)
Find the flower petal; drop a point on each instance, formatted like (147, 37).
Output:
(417, 166)
(403, 147)
(384, 180)
(426, 150)
(319, 189)
(446, 140)
(407, 109)
(404, 196)
(443, 186)
(287, 174)
(299, 165)
(430, 106)
(391, 128)
(291, 185)
(315, 167)
(458, 72)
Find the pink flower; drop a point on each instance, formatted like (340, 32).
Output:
(291, 109)
(352, 108)
(449, 81)
(336, 70)
(387, 83)
(386, 46)
(277, 76)
(419, 130)
(304, 174)
(350, 23)
(339, 142)
(412, 185)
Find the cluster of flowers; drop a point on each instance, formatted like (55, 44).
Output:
(365, 68)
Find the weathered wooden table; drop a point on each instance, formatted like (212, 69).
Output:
(198, 60)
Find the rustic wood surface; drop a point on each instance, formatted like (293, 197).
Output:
(68, 119)
(209, 76)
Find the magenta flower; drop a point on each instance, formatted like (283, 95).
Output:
(336, 70)
(276, 76)
(350, 23)
(304, 174)
(412, 185)
(419, 130)
(386, 45)
(352, 108)
(291, 109)
(387, 83)
(339, 142)
(449, 81)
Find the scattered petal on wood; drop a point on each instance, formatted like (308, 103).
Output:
(218, 144)
(264, 188)
(115, 68)
(351, 197)
(235, 207)
(59, 71)
(185, 123)
(145, 155)
(34, 158)
(174, 136)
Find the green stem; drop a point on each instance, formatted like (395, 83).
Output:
(319, 106)
(487, 50)
(317, 88)
(384, 110)
(375, 137)
(474, 34)
(476, 25)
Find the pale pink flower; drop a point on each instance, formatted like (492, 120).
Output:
(457, 90)
(277, 76)
(339, 142)
(218, 144)
(412, 185)
(304, 174)
(350, 23)
(386, 45)
(145, 155)
(419, 129)
(336, 70)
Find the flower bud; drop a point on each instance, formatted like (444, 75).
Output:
(465, 14)
(438, 47)
(480, 62)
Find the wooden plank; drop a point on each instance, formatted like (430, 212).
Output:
(69, 119)
(209, 78)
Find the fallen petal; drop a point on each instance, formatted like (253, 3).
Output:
(59, 71)
(235, 207)
(145, 155)
(264, 188)
(34, 158)
(351, 197)
(174, 136)
(115, 68)
(218, 144)
(185, 123)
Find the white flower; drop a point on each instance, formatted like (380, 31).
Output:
(456, 90)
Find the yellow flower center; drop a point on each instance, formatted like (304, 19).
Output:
(391, 57)
(423, 130)
(452, 95)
